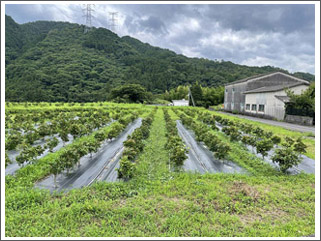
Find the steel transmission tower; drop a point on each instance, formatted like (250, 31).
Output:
(113, 20)
(88, 14)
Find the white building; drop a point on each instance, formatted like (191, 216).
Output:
(262, 95)
(270, 101)
(182, 102)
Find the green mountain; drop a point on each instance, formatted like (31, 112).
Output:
(56, 61)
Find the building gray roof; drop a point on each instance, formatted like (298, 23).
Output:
(274, 88)
(283, 98)
(260, 76)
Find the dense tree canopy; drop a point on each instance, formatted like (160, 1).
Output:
(303, 104)
(56, 61)
(130, 93)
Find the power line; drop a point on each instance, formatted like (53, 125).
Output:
(112, 20)
(88, 15)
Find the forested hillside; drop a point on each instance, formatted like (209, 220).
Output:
(56, 61)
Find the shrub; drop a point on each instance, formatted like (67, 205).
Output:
(52, 144)
(7, 160)
(286, 158)
(222, 150)
(276, 139)
(299, 146)
(126, 168)
(263, 146)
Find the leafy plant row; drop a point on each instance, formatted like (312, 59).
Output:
(55, 163)
(62, 125)
(134, 145)
(25, 119)
(287, 156)
(77, 124)
(175, 146)
(203, 133)
(76, 127)
(71, 156)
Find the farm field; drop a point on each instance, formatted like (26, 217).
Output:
(105, 169)
(308, 138)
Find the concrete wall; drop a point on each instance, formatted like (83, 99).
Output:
(273, 107)
(180, 102)
(234, 100)
(302, 120)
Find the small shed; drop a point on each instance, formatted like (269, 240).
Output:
(182, 102)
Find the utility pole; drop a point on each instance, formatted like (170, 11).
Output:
(88, 15)
(112, 20)
(190, 96)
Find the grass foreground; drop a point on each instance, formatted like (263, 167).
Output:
(181, 205)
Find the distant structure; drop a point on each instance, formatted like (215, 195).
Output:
(112, 21)
(190, 96)
(88, 15)
(182, 102)
(262, 95)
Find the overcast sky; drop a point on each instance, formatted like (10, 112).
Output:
(255, 35)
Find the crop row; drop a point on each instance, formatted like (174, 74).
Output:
(175, 146)
(203, 133)
(24, 119)
(287, 156)
(71, 155)
(62, 126)
(134, 145)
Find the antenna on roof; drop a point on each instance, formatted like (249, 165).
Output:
(112, 20)
(89, 8)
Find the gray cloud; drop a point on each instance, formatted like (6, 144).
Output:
(256, 35)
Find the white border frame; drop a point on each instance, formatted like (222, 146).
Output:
(317, 118)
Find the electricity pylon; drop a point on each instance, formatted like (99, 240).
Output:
(88, 15)
(112, 20)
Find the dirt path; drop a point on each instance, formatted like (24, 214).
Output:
(289, 126)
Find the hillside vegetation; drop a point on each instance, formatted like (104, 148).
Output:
(56, 61)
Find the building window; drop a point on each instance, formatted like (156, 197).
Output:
(233, 90)
(248, 107)
(226, 90)
(261, 108)
(254, 107)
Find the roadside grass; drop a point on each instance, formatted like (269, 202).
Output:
(210, 205)
(282, 132)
